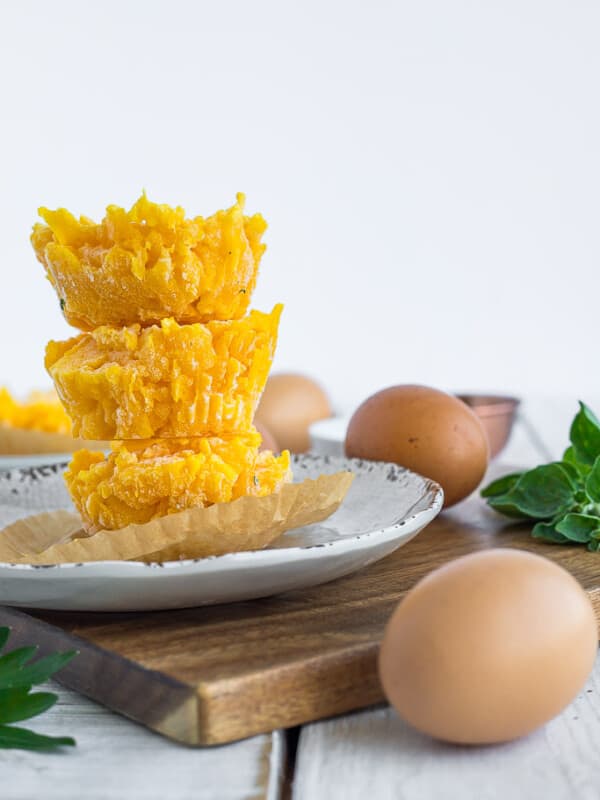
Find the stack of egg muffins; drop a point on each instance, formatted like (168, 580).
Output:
(169, 366)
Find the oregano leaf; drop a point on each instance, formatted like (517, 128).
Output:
(569, 457)
(592, 483)
(547, 532)
(543, 492)
(578, 527)
(585, 435)
(563, 497)
(501, 485)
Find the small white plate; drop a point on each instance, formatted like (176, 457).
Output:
(327, 436)
(385, 508)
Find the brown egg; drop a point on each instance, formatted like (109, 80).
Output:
(268, 440)
(428, 431)
(289, 405)
(488, 647)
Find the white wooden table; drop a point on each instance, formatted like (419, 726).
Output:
(371, 754)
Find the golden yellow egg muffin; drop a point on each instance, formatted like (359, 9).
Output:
(168, 380)
(149, 263)
(42, 411)
(140, 481)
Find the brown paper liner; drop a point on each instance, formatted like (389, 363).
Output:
(248, 523)
(18, 441)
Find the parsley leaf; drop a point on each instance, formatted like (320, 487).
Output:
(18, 673)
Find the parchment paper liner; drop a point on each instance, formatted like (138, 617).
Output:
(248, 523)
(18, 441)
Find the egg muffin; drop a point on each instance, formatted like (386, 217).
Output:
(42, 411)
(36, 425)
(149, 263)
(167, 380)
(140, 481)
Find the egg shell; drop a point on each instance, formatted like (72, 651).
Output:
(488, 647)
(425, 430)
(288, 406)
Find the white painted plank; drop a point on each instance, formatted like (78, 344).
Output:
(116, 759)
(375, 755)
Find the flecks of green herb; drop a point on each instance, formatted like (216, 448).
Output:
(18, 673)
(562, 497)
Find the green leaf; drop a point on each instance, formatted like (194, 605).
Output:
(578, 527)
(547, 532)
(18, 673)
(38, 672)
(17, 704)
(504, 505)
(593, 545)
(563, 497)
(22, 739)
(11, 663)
(585, 435)
(541, 493)
(592, 483)
(569, 457)
(571, 472)
(501, 485)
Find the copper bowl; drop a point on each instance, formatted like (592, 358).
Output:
(497, 412)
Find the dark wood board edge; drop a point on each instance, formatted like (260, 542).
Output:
(291, 695)
(151, 698)
(212, 713)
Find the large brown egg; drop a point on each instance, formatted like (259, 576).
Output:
(488, 647)
(289, 405)
(428, 431)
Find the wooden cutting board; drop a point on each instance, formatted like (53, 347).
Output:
(214, 674)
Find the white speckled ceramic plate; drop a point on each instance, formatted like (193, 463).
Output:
(32, 460)
(385, 508)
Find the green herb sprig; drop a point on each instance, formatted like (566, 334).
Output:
(562, 497)
(18, 673)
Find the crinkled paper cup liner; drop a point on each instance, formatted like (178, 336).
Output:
(18, 441)
(248, 523)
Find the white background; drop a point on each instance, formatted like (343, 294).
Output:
(430, 172)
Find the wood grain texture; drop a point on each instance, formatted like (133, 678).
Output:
(374, 754)
(114, 760)
(211, 675)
